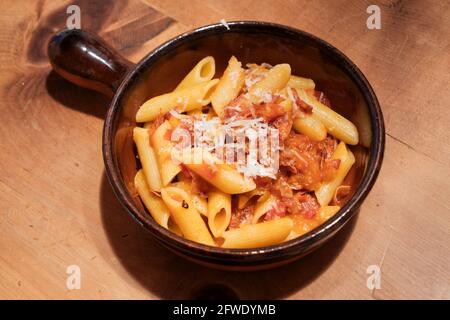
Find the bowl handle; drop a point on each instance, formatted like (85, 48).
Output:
(86, 60)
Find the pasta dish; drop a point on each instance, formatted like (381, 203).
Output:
(252, 158)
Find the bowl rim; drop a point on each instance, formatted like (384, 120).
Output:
(326, 229)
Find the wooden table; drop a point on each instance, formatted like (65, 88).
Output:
(57, 208)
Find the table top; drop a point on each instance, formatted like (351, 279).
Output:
(58, 210)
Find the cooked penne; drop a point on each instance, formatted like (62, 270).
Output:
(244, 198)
(182, 100)
(154, 204)
(163, 146)
(228, 87)
(186, 216)
(275, 80)
(258, 235)
(175, 121)
(336, 124)
(287, 105)
(200, 203)
(219, 212)
(255, 159)
(262, 207)
(203, 71)
(326, 212)
(223, 176)
(301, 83)
(310, 126)
(148, 158)
(302, 225)
(326, 191)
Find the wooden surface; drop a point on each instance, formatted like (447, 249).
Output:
(57, 208)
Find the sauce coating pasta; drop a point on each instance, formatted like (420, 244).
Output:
(255, 157)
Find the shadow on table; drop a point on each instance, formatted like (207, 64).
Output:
(168, 276)
(77, 98)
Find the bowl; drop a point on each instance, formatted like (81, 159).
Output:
(86, 60)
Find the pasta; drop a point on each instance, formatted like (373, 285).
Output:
(326, 191)
(301, 83)
(163, 146)
(337, 125)
(147, 158)
(183, 100)
(154, 204)
(253, 158)
(275, 80)
(228, 87)
(258, 235)
(263, 206)
(219, 212)
(221, 175)
(203, 71)
(326, 212)
(310, 126)
(199, 202)
(186, 216)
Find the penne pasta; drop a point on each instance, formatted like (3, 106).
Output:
(287, 105)
(275, 80)
(336, 125)
(326, 191)
(154, 204)
(163, 146)
(186, 216)
(262, 207)
(182, 100)
(219, 212)
(228, 87)
(326, 212)
(223, 176)
(203, 71)
(250, 165)
(175, 121)
(258, 235)
(244, 198)
(200, 203)
(301, 83)
(310, 126)
(302, 225)
(148, 158)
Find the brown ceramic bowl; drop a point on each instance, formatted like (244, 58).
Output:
(87, 61)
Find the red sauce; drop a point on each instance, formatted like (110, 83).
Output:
(308, 162)
(242, 216)
(277, 212)
(269, 111)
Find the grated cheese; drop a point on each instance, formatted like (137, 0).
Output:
(225, 24)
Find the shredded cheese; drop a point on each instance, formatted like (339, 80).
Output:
(225, 24)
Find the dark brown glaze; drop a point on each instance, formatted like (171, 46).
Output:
(258, 42)
(86, 60)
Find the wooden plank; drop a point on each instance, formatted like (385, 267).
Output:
(58, 209)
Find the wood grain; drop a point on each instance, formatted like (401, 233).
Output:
(58, 209)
